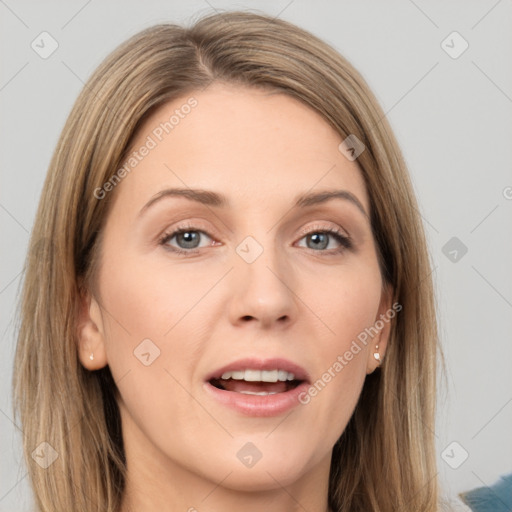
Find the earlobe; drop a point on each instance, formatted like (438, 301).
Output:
(375, 356)
(90, 334)
(382, 323)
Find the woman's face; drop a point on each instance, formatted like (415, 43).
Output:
(254, 282)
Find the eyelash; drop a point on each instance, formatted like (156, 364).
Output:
(344, 241)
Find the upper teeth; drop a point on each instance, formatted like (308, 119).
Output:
(259, 375)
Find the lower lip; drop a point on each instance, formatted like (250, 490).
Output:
(258, 405)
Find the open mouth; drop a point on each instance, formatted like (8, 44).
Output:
(256, 382)
(258, 387)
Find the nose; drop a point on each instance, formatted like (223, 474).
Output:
(263, 291)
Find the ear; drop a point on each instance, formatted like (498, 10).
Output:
(382, 328)
(91, 333)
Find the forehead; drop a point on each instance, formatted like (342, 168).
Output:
(253, 145)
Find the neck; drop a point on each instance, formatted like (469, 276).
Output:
(213, 497)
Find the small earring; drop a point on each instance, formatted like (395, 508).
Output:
(376, 354)
(91, 357)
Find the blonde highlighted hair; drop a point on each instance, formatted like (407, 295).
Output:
(385, 459)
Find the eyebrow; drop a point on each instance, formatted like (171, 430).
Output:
(215, 199)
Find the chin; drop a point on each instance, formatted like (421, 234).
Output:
(274, 475)
(271, 467)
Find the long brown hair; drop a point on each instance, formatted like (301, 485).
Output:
(385, 460)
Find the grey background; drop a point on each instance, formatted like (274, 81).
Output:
(452, 119)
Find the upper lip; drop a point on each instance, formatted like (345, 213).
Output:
(252, 363)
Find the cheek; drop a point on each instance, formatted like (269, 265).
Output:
(348, 305)
(178, 306)
(151, 339)
(159, 315)
(148, 298)
(347, 302)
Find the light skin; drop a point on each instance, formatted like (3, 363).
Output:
(300, 300)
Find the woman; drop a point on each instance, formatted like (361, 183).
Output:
(228, 298)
